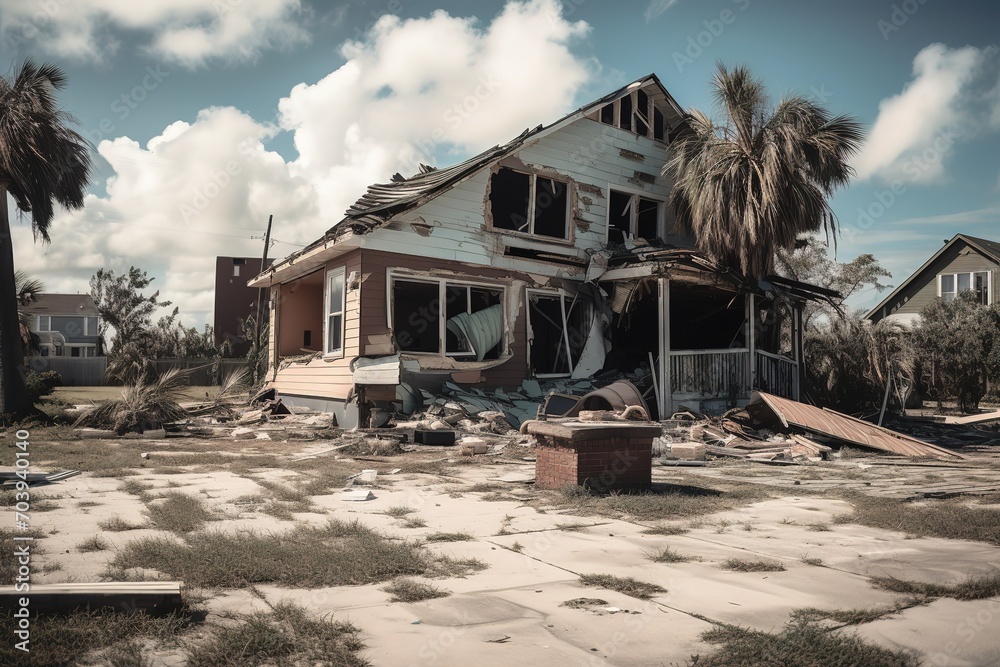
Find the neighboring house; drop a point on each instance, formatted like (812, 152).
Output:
(554, 255)
(234, 301)
(66, 324)
(963, 263)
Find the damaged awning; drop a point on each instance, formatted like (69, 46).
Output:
(823, 421)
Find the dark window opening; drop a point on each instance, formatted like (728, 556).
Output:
(542, 210)
(642, 113)
(647, 219)
(620, 217)
(559, 329)
(550, 208)
(509, 194)
(608, 114)
(625, 119)
(307, 338)
(415, 316)
(657, 124)
(74, 352)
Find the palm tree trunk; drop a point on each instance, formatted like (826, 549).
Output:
(14, 400)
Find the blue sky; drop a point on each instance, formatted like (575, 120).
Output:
(209, 116)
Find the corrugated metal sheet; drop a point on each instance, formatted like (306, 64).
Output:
(843, 427)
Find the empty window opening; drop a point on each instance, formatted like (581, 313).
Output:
(458, 320)
(74, 352)
(978, 282)
(529, 204)
(302, 307)
(632, 216)
(558, 327)
(636, 112)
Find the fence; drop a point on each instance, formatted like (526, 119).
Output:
(200, 371)
(777, 375)
(75, 371)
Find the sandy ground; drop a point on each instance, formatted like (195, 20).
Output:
(512, 612)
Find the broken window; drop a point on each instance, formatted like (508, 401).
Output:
(632, 216)
(529, 203)
(470, 324)
(334, 312)
(557, 332)
(636, 112)
(950, 284)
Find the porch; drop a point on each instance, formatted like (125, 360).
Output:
(720, 341)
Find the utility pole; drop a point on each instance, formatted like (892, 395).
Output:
(260, 295)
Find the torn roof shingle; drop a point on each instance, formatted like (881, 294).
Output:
(63, 304)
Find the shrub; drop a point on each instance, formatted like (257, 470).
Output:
(42, 383)
(847, 361)
(958, 345)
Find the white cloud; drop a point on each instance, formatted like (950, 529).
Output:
(200, 189)
(917, 129)
(657, 7)
(188, 32)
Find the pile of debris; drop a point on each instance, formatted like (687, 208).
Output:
(778, 430)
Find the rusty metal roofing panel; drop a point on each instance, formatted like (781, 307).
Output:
(844, 427)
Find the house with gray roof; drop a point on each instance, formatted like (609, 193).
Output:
(963, 263)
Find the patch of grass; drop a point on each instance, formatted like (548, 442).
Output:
(116, 473)
(517, 547)
(95, 543)
(88, 503)
(970, 589)
(485, 487)
(250, 499)
(408, 590)
(624, 585)
(135, 488)
(63, 639)
(414, 522)
(399, 511)
(116, 524)
(797, 645)
(8, 560)
(668, 555)
(339, 553)
(287, 635)
(812, 561)
(949, 519)
(572, 527)
(279, 511)
(742, 565)
(669, 529)
(285, 493)
(449, 537)
(169, 470)
(179, 513)
(665, 501)
(819, 527)
(842, 616)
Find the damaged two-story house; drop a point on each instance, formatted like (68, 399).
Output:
(552, 256)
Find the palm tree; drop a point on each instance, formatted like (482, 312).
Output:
(43, 162)
(754, 183)
(27, 290)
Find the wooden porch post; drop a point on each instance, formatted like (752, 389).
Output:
(665, 407)
(751, 320)
(797, 350)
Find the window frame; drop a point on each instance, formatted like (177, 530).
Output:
(337, 272)
(972, 277)
(394, 274)
(86, 325)
(562, 294)
(649, 120)
(532, 193)
(635, 194)
(48, 322)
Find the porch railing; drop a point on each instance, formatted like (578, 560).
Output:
(710, 373)
(777, 375)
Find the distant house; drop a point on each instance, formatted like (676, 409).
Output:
(554, 255)
(234, 301)
(66, 324)
(963, 263)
